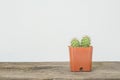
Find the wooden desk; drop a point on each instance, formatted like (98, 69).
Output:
(57, 71)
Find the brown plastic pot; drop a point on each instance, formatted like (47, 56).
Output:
(80, 58)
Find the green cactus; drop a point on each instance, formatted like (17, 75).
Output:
(75, 43)
(85, 41)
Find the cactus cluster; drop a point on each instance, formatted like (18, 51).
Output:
(85, 42)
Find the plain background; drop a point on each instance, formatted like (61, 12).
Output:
(41, 30)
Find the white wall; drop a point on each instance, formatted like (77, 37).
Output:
(41, 30)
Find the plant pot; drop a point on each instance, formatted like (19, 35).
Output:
(80, 58)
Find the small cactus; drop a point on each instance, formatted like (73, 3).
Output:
(85, 41)
(75, 43)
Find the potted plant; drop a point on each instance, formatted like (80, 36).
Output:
(81, 54)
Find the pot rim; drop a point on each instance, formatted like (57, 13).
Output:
(80, 47)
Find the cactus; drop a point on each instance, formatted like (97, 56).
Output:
(85, 41)
(75, 43)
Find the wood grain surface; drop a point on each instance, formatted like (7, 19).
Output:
(57, 71)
